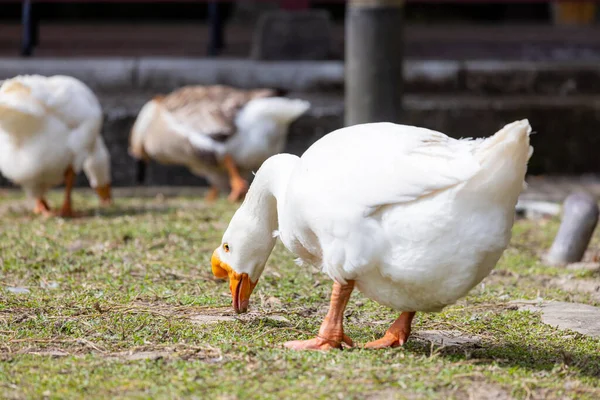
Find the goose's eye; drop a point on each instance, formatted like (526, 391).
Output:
(226, 247)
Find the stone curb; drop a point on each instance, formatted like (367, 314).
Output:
(455, 115)
(166, 74)
(560, 149)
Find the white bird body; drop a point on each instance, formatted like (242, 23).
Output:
(416, 230)
(198, 126)
(414, 218)
(47, 125)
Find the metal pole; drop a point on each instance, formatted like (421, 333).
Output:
(35, 26)
(216, 40)
(374, 47)
(28, 31)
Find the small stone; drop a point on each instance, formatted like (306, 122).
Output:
(487, 391)
(50, 353)
(581, 318)
(49, 285)
(579, 220)
(98, 247)
(574, 285)
(278, 318)
(584, 266)
(537, 209)
(18, 290)
(75, 246)
(202, 319)
(570, 385)
(145, 355)
(273, 301)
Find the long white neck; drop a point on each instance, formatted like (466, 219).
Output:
(266, 196)
(97, 165)
(250, 231)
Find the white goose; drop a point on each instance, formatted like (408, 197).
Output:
(412, 218)
(50, 131)
(218, 132)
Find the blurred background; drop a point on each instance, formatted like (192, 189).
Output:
(442, 29)
(469, 66)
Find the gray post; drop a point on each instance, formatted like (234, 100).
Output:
(374, 47)
(580, 217)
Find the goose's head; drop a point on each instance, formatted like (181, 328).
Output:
(242, 255)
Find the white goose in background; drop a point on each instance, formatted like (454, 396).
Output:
(50, 131)
(218, 132)
(412, 218)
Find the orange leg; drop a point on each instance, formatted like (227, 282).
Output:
(104, 193)
(212, 195)
(397, 335)
(331, 335)
(42, 207)
(239, 186)
(67, 211)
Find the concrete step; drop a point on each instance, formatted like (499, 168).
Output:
(432, 40)
(124, 75)
(567, 129)
(566, 140)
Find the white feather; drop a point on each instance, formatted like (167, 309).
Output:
(97, 166)
(263, 126)
(141, 127)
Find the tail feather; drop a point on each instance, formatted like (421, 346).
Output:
(503, 158)
(514, 134)
(280, 109)
(142, 124)
(20, 113)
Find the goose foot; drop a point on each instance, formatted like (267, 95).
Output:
(331, 334)
(42, 208)
(67, 212)
(319, 343)
(212, 195)
(239, 186)
(388, 340)
(104, 193)
(397, 335)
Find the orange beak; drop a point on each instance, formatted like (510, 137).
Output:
(240, 284)
(104, 193)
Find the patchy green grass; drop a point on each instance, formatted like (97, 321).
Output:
(122, 304)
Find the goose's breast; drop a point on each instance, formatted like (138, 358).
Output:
(44, 158)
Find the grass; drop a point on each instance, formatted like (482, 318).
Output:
(122, 304)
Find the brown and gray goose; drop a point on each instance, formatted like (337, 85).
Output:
(219, 132)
